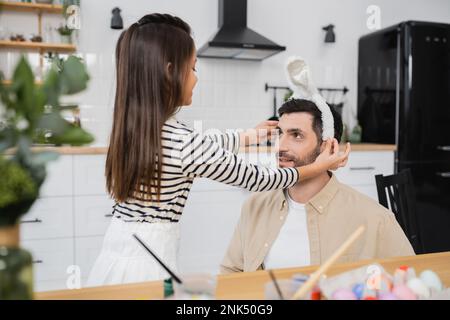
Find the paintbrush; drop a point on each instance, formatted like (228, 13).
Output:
(172, 274)
(308, 285)
(275, 283)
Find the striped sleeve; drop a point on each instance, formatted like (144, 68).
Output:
(203, 157)
(228, 141)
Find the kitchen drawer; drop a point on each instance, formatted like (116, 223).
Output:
(206, 228)
(92, 215)
(48, 218)
(59, 180)
(89, 175)
(363, 166)
(87, 250)
(51, 259)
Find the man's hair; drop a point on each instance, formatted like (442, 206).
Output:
(301, 105)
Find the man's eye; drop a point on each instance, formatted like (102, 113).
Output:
(195, 70)
(297, 136)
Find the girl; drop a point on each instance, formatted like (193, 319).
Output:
(153, 159)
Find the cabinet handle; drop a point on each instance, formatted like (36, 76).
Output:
(443, 174)
(109, 215)
(362, 168)
(37, 261)
(444, 148)
(31, 221)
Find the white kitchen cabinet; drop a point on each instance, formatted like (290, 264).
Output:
(73, 204)
(59, 180)
(50, 217)
(89, 175)
(207, 225)
(362, 167)
(92, 215)
(87, 250)
(51, 260)
(368, 190)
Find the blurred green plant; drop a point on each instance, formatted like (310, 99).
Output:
(288, 95)
(31, 113)
(65, 31)
(17, 187)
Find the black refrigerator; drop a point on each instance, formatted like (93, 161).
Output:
(404, 99)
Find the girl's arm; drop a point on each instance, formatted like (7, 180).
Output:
(261, 133)
(229, 141)
(202, 157)
(232, 141)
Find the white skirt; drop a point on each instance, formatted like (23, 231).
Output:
(124, 260)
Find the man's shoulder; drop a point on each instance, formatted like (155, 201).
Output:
(361, 202)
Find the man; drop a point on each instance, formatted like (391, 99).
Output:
(305, 224)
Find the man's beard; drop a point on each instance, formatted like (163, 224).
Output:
(299, 162)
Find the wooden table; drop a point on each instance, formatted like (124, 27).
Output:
(251, 285)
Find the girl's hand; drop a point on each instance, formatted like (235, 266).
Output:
(329, 159)
(265, 128)
(261, 133)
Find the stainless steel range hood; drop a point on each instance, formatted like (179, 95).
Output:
(234, 40)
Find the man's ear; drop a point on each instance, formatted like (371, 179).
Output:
(322, 146)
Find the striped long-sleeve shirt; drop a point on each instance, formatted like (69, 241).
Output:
(188, 154)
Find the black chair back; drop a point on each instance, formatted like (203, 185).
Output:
(396, 193)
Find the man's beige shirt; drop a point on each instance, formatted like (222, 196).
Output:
(332, 215)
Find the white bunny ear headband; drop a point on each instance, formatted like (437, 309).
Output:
(300, 82)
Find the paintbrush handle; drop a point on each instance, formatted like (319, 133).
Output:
(308, 285)
(172, 274)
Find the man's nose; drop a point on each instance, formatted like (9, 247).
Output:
(282, 146)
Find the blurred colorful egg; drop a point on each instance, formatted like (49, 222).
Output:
(358, 290)
(402, 292)
(388, 296)
(344, 294)
(419, 288)
(385, 284)
(410, 274)
(399, 276)
(368, 293)
(316, 294)
(431, 280)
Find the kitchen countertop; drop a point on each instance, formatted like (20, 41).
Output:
(250, 285)
(92, 150)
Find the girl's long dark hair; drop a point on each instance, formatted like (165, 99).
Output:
(148, 93)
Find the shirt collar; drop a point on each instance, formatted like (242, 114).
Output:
(320, 201)
(172, 121)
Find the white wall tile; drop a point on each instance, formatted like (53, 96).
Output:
(226, 85)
